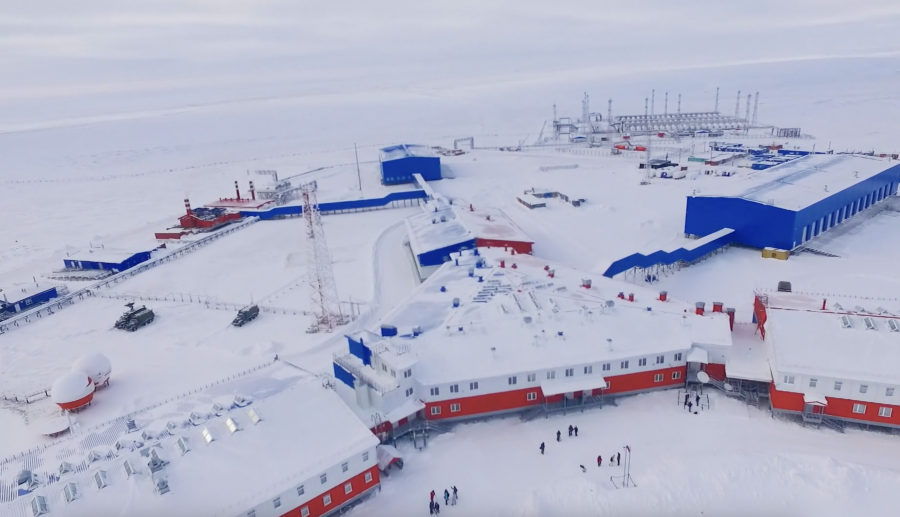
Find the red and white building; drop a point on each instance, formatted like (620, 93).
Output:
(286, 446)
(493, 332)
(832, 358)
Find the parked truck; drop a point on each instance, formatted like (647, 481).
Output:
(134, 319)
(246, 315)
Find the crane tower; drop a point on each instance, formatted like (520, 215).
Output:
(325, 303)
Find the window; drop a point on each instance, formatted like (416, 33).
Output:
(300, 490)
(304, 512)
(454, 388)
(678, 357)
(276, 502)
(789, 379)
(863, 388)
(532, 377)
(624, 365)
(407, 373)
(531, 396)
(676, 376)
(323, 478)
(813, 382)
(889, 392)
(551, 375)
(607, 385)
(570, 372)
(454, 408)
(885, 412)
(511, 380)
(658, 377)
(365, 456)
(368, 477)
(435, 392)
(642, 362)
(435, 410)
(344, 467)
(384, 367)
(605, 367)
(473, 385)
(393, 373)
(409, 392)
(837, 385)
(348, 487)
(588, 370)
(660, 359)
(859, 409)
(327, 499)
(251, 513)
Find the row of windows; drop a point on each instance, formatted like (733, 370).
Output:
(326, 499)
(838, 216)
(406, 373)
(532, 395)
(569, 372)
(838, 385)
(885, 412)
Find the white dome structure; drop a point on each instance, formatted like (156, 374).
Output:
(72, 391)
(94, 365)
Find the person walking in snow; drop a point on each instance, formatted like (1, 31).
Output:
(542, 447)
(437, 508)
(611, 458)
(570, 430)
(431, 507)
(618, 458)
(432, 496)
(582, 468)
(453, 497)
(599, 461)
(698, 400)
(454, 491)
(690, 407)
(558, 434)
(687, 397)
(576, 430)
(446, 497)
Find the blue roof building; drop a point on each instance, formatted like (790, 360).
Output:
(400, 162)
(108, 260)
(23, 297)
(793, 202)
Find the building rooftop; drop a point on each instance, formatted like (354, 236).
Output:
(491, 223)
(800, 183)
(851, 339)
(397, 152)
(239, 204)
(519, 319)
(305, 429)
(427, 232)
(110, 255)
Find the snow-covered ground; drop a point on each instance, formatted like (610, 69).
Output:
(731, 459)
(108, 119)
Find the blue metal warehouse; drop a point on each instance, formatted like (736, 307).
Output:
(18, 299)
(117, 261)
(400, 162)
(793, 202)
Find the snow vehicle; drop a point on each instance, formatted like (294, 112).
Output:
(246, 315)
(134, 319)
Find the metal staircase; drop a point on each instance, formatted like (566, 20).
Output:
(574, 404)
(750, 396)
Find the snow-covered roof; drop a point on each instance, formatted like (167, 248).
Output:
(799, 183)
(519, 319)
(70, 387)
(746, 358)
(572, 385)
(105, 255)
(490, 223)
(396, 152)
(851, 339)
(428, 233)
(815, 398)
(305, 429)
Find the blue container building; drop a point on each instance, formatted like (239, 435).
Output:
(116, 261)
(400, 162)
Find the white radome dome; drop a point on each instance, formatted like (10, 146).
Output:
(71, 387)
(94, 365)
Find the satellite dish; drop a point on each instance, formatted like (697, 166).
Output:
(703, 377)
(728, 387)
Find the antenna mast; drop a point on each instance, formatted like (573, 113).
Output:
(717, 100)
(325, 302)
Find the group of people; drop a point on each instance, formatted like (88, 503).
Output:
(434, 508)
(689, 404)
(614, 460)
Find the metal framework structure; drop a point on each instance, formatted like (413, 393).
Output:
(676, 121)
(323, 291)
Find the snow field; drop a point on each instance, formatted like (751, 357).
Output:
(729, 460)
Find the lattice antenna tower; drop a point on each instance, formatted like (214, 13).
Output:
(586, 114)
(323, 291)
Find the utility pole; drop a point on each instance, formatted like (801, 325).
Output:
(358, 175)
(737, 106)
(653, 102)
(679, 103)
(666, 108)
(717, 100)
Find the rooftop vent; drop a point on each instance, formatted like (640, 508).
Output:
(182, 445)
(101, 479)
(129, 469)
(218, 409)
(130, 425)
(846, 322)
(232, 426)
(784, 287)
(24, 477)
(39, 505)
(148, 435)
(870, 323)
(894, 325)
(254, 416)
(172, 426)
(859, 309)
(66, 467)
(838, 307)
(196, 418)
(155, 463)
(207, 436)
(240, 401)
(94, 456)
(881, 310)
(162, 487)
(71, 492)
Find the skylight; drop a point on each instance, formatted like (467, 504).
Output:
(254, 416)
(128, 467)
(162, 487)
(101, 479)
(231, 425)
(846, 322)
(870, 323)
(894, 325)
(39, 505)
(70, 492)
(182, 445)
(207, 436)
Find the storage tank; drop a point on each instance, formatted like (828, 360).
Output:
(95, 365)
(72, 391)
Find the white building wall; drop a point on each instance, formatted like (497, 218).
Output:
(876, 393)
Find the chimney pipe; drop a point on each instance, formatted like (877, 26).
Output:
(730, 312)
(824, 301)
(630, 297)
(717, 306)
(252, 191)
(187, 207)
(700, 306)
(237, 190)
(663, 296)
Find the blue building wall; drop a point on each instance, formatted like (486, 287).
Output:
(436, 257)
(401, 170)
(336, 206)
(360, 350)
(667, 257)
(14, 304)
(343, 375)
(128, 263)
(760, 225)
